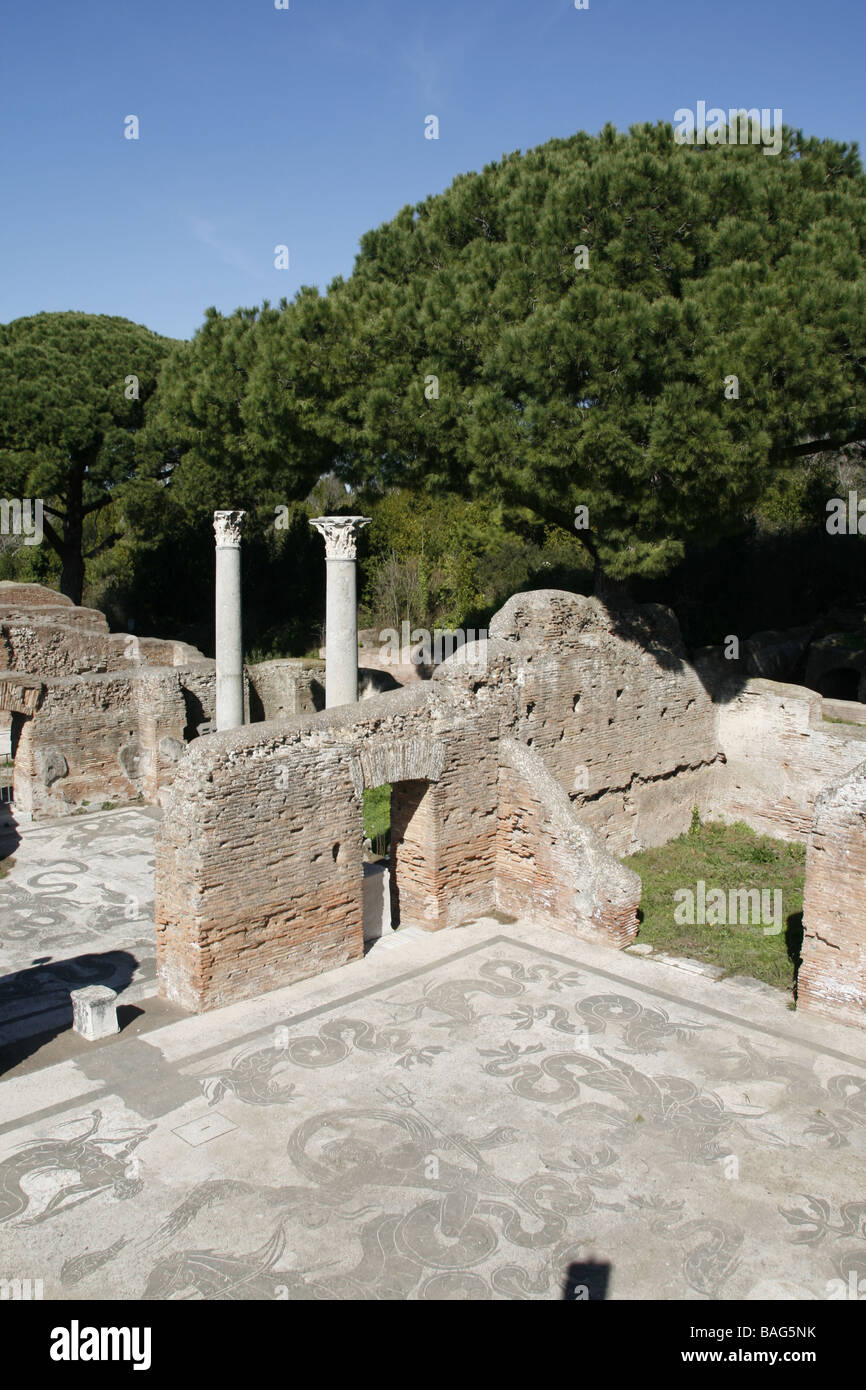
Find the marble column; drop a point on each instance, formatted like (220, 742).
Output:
(341, 607)
(229, 639)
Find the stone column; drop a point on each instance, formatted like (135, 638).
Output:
(341, 607)
(229, 641)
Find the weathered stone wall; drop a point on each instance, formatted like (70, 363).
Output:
(551, 866)
(284, 688)
(101, 737)
(518, 772)
(107, 713)
(44, 634)
(611, 703)
(259, 855)
(832, 977)
(779, 755)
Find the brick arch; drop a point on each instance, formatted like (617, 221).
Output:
(400, 760)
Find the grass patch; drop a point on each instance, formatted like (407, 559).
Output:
(377, 816)
(726, 857)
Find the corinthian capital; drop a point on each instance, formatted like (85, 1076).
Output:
(341, 534)
(227, 528)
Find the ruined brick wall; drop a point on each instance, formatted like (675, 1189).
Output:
(45, 634)
(832, 978)
(259, 856)
(102, 737)
(779, 755)
(415, 815)
(620, 717)
(284, 688)
(106, 720)
(259, 877)
(552, 867)
(256, 868)
(443, 854)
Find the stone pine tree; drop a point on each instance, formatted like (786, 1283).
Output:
(650, 331)
(243, 411)
(74, 391)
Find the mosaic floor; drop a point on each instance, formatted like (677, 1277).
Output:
(76, 908)
(495, 1112)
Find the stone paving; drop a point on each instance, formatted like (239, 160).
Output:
(497, 1111)
(76, 908)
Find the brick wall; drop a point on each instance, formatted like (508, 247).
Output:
(779, 755)
(281, 689)
(104, 737)
(44, 634)
(832, 978)
(550, 865)
(620, 717)
(259, 857)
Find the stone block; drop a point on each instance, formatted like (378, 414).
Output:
(376, 902)
(94, 1012)
(52, 766)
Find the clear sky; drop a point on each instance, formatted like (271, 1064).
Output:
(305, 126)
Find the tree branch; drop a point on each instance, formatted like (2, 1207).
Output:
(53, 539)
(96, 506)
(821, 446)
(103, 545)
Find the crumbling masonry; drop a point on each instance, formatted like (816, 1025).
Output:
(520, 773)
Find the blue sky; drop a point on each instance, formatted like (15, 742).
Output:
(305, 126)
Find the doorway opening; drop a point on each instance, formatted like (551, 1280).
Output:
(400, 882)
(376, 822)
(6, 764)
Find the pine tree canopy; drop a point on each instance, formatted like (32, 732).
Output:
(74, 390)
(711, 334)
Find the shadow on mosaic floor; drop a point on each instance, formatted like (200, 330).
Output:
(35, 1004)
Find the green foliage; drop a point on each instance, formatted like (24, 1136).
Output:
(68, 432)
(556, 387)
(559, 386)
(234, 406)
(444, 561)
(726, 857)
(377, 812)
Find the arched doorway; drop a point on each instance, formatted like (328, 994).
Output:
(401, 886)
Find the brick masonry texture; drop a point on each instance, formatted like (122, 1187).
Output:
(779, 755)
(832, 977)
(259, 855)
(520, 772)
(96, 716)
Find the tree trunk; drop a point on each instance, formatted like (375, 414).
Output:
(72, 575)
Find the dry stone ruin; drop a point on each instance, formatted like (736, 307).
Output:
(94, 716)
(521, 772)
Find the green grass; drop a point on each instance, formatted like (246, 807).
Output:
(377, 812)
(726, 857)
